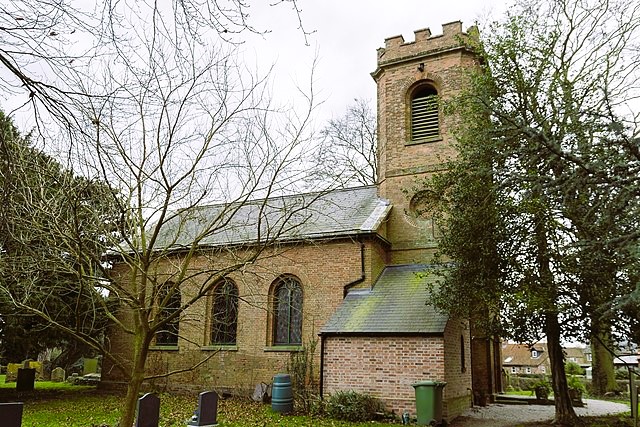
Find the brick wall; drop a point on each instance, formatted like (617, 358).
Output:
(323, 268)
(386, 367)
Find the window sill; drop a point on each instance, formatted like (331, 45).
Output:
(219, 348)
(284, 348)
(424, 140)
(164, 348)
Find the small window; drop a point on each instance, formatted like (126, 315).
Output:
(528, 370)
(224, 313)
(287, 312)
(514, 370)
(169, 302)
(425, 117)
(543, 369)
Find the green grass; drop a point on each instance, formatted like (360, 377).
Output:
(46, 385)
(82, 406)
(56, 404)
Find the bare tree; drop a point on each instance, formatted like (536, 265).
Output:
(347, 151)
(45, 46)
(184, 134)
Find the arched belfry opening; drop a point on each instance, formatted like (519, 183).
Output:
(424, 113)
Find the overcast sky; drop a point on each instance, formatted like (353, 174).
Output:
(346, 36)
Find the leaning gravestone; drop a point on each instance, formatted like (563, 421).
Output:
(12, 372)
(90, 366)
(58, 375)
(207, 412)
(148, 411)
(11, 414)
(26, 379)
(261, 393)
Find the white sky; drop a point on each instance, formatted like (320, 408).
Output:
(347, 34)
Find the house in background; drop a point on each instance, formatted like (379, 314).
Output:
(519, 359)
(525, 359)
(352, 272)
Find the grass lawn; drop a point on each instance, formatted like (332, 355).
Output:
(56, 404)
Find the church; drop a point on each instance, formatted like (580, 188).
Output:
(351, 283)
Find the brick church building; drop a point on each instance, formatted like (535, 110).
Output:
(352, 280)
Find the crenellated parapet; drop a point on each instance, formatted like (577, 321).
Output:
(425, 44)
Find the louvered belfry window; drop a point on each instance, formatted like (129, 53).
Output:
(425, 120)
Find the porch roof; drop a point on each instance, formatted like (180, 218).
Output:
(398, 303)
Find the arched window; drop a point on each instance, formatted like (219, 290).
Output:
(224, 313)
(287, 312)
(425, 117)
(169, 302)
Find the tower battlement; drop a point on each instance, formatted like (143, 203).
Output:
(452, 37)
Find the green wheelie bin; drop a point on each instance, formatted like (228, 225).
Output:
(429, 402)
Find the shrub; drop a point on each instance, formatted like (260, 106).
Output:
(353, 406)
(572, 368)
(576, 383)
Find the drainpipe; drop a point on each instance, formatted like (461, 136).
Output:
(362, 274)
(321, 364)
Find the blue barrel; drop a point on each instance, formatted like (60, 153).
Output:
(282, 394)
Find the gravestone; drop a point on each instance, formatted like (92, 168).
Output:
(261, 393)
(90, 366)
(12, 372)
(38, 367)
(148, 411)
(11, 414)
(26, 379)
(207, 412)
(58, 375)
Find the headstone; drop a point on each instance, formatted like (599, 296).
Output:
(148, 411)
(261, 393)
(12, 372)
(26, 379)
(90, 366)
(58, 375)
(207, 412)
(38, 367)
(11, 414)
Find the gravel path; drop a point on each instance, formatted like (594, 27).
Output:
(501, 415)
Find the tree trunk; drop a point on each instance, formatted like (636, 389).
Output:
(604, 376)
(565, 415)
(141, 350)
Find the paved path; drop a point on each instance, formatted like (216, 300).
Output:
(501, 415)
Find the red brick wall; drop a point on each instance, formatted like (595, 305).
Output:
(384, 367)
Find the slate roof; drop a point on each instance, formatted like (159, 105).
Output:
(397, 303)
(337, 213)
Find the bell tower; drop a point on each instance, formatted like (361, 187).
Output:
(413, 80)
